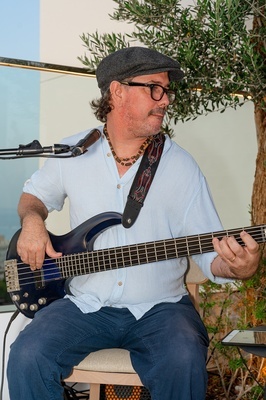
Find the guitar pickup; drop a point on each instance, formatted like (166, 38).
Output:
(38, 279)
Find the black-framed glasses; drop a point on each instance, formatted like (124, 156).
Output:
(157, 91)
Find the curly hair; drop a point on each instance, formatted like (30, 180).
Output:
(102, 106)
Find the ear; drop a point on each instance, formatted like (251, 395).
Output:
(116, 91)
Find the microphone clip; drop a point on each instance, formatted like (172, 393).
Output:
(83, 144)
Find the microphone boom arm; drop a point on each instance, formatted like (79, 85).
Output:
(34, 149)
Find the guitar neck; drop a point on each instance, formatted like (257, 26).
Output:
(150, 252)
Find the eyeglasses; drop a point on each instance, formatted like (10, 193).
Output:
(157, 91)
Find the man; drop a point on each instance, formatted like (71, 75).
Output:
(144, 309)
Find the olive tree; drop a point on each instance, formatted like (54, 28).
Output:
(222, 46)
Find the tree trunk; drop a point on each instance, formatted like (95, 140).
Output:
(258, 210)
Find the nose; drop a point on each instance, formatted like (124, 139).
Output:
(164, 100)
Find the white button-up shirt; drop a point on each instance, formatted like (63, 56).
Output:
(178, 204)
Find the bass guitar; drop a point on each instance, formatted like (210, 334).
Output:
(31, 290)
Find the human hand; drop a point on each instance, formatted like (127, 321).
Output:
(236, 261)
(34, 243)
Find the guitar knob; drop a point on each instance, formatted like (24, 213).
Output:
(42, 301)
(15, 297)
(34, 307)
(23, 306)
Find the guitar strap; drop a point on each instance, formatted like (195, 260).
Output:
(143, 180)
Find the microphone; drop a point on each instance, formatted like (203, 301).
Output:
(87, 141)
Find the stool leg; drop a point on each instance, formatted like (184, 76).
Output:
(94, 391)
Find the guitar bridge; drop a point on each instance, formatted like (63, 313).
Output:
(11, 273)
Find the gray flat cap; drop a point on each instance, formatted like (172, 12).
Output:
(135, 61)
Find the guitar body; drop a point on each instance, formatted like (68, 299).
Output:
(31, 290)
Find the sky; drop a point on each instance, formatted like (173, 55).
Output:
(19, 29)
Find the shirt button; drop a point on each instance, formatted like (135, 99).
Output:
(109, 154)
(120, 283)
(118, 186)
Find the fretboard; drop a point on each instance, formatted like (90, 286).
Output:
(150, 252)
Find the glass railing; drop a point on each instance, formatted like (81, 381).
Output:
(42, 102)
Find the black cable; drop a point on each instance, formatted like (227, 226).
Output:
(13, 317)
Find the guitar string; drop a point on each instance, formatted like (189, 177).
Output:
(170, 242)
(111, 253)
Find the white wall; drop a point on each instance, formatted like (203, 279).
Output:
(64, 21)
(225, 147)
(223, 144)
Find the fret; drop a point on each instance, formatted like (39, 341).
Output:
(108, 260)
(181, 247)
(96, 260)
(170, 249)
(193, 245)
(153, 254)
(138, 257)
(116, 258)
(162, 254)
(74, 259)
(166, 254)
(60, 264)
(67, 265)
(92, 262)
(188, 253)
(142, 253)
(129, 255)
(134, 255)
(176, 250)
(79, 263)
(121, 261)
(74, 264)
(206, 242)
(112, 259)
(115, 263)
(126, 255)
(71, 260)
(71, 264)
(199, 241)
(80, 259)
(146, 252)
(100, 258)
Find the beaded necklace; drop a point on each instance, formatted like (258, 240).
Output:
(127, 162)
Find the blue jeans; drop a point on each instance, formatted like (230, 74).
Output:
(168, 348)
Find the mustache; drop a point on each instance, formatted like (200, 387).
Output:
(158, 111)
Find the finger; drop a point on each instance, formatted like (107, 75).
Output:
(35, 260)
(251, 245)
(234, 248)
(50, 251)
(226, 248)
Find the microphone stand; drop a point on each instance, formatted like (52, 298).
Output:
(34, 149)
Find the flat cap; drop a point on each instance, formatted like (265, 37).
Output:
(135, 61)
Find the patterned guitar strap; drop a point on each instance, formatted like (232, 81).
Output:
(143, 180)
